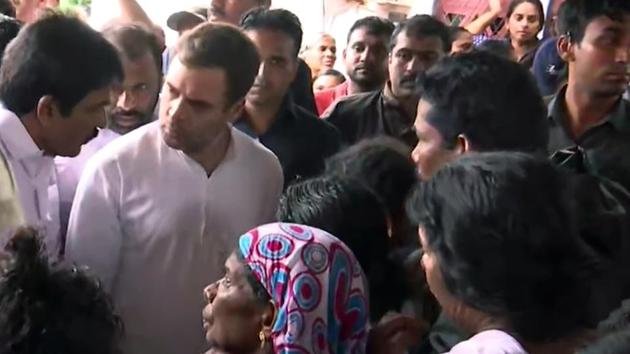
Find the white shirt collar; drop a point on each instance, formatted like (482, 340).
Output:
(16, 140)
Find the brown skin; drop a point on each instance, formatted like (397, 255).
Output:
(195, 112)
(365, 59)
(463, 43)
(473, 321)
(523, 26)
(59, 135)
(410, 57)
(324, 82)
(234, 317)
(598, 72)
(430, 154)
(321, 55)
(277, 71)
(467, 318)
(137, 96)
(231, 11)
(28, 11)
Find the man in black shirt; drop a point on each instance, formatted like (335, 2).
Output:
(300, 140)
(416, 45)
(589, 113)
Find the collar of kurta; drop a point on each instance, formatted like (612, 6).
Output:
(618, 117)
(16, 140)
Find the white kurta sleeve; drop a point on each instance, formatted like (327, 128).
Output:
(94, 230)
(276, 184)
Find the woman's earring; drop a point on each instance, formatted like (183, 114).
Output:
(262, 338)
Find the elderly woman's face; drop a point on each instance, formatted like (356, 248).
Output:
(233, 316)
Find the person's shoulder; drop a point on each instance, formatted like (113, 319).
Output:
(356, 103)
(313, 125)
(256, 156)
(253, 150)
(129, 148)
(489, 342)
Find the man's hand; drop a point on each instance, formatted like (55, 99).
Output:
(496, 6)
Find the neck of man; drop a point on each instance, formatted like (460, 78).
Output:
(34, 129)
(584, 109)
(262, 115)
(408, 103)
(210, 156)
(354, 87)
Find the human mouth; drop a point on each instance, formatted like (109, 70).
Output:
(216, 14)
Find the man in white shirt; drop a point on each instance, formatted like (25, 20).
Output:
(137, 97)
(54, 97)
(157, 213)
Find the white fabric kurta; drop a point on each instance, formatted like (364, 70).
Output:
(489, 342)
(149, 222)
(69, 171)
(35, 178)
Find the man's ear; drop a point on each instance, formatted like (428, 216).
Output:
(46, 110)
(462, 145)
(566, 49)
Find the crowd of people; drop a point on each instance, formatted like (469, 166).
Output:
(235, 193)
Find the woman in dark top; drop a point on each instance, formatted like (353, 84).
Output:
(524, 20)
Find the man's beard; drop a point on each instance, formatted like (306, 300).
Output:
(139, 118)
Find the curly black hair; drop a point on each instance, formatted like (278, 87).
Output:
(49, 308)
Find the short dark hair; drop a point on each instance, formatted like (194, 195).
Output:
(423, 26)
(575, 15)
(335, 73)
(217, 45)
(279, 20)
(51, 307)
(133, 41)
(499, 223)
(539, 8)
(9, 29)
(467, 98)
(383, 164)
(351, 212)
(497, 47)
(7, 8)
(375, 26)
(59, 56)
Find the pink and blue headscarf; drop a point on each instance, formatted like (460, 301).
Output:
(317, 286)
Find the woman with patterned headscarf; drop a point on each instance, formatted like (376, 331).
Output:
(288, 289)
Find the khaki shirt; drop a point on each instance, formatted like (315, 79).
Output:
(10, 212)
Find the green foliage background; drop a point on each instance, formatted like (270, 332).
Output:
(66, 5)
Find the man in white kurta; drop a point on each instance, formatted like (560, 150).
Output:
(35, 179)
(154, 224)
(51, 107)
